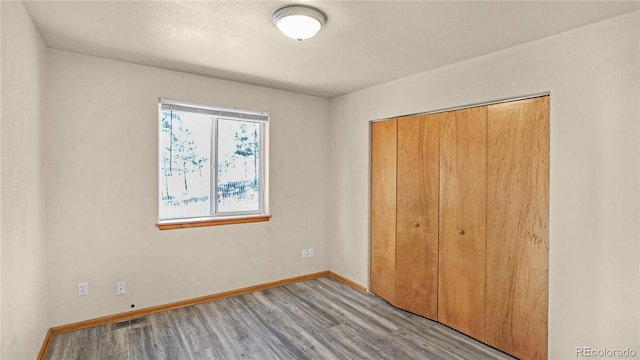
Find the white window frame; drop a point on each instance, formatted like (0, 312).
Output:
(219, 113)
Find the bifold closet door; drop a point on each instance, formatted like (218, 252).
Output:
(463, 154)
(384, 136)
(417, 215)
(517, 227)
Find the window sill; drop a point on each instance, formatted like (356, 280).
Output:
(171, 225)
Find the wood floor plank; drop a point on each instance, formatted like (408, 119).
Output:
(112, 345)
(241, 342)
(315, 319)
(167, 337)
(301, 334)
(143, 345)
(226, 346)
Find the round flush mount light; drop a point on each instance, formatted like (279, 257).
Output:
(298, 21)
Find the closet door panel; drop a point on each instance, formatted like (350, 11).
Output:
(517, 227)
(461, 302)
(417, 215)
(383, 209)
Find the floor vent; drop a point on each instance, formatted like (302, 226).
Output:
(123, 324)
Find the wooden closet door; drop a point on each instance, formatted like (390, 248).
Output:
(417, 215)
(383, 209)
(461, 295)
(517, 227)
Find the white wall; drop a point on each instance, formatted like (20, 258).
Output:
(24, 300)
(593, 76)
(101, 190)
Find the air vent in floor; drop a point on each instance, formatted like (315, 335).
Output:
(123, 324)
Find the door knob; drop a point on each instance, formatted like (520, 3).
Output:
(416, 224)
(461, 231)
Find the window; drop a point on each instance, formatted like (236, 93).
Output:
(211, 165)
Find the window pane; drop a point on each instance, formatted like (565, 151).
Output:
(185, 178)
(238, 166)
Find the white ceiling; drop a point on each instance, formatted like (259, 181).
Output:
(363, 43)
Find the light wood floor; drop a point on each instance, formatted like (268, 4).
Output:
(314, 319)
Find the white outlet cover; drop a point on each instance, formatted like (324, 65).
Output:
(310, 252)
(83, 289)
(304, 253)
(121, 288)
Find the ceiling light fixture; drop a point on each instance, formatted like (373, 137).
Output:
(299, 22)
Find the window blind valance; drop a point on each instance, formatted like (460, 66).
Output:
(247, 115)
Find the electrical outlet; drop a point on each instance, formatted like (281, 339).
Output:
(83, 289)
(304, 253)
(310, 252)
(121, 288)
